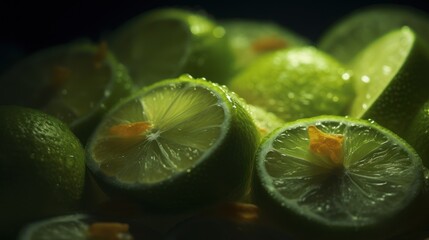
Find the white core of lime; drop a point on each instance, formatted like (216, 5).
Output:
(186, 122)
(377, 65)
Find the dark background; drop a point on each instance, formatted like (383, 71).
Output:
(32, 25)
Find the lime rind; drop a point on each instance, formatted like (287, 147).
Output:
(372, 190)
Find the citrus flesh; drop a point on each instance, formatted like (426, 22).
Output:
(295, 83)
(161, 141)
(165, 43)
(391, 79)
(350, 35)
(75, 82)
(337, 175)
(42, 166)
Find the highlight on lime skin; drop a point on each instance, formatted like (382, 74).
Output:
(326, 145)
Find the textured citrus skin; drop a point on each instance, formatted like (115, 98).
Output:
(417, 133)
(223, 174)
(295, 83)
(42, 166)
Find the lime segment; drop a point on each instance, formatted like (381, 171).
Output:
(379, 177)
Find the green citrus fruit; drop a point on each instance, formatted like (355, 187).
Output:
(176, 144)
(353, 33)
(250, 39)
(75, 82)
(391, 79)
(417, 134)
(295, 83)
(167, 42)
(340, 177)
(42, 166)
(264, 121)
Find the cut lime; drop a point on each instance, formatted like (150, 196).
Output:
(250, 39)
(417, 134)
(338, 177)
(353, 33)
(165, 43)
(86, 227)
(42, 167)
(391, 79)
(177, 143)
(295, 83)
(75, 82)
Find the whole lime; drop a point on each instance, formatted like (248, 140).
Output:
(42, 167)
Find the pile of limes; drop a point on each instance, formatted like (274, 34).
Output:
(182, 126)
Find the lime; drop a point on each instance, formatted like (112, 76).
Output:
(295, 83)
(250, 39)
(264, 121)
(417, 134)
(354, 32)
(391, 79)
(176, 144)
(86, 227)
(42, 166)
(75, 82)
(167, 42)
(340, 177)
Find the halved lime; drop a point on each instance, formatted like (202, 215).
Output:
(417, 133)
(338, 177)
(167, 42)
(295, 83)
(250, 39)
(75, 82)
(354, 32)
(391, 79)
(81, 226)
(179, 143)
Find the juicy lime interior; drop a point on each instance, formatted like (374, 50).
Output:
(160, 133)
(377, 65)
(377, 178)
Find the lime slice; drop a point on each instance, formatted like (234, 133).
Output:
(250, 39)
(354, 32)
(42, 167)
(76, 83)
(177, 144)
(391, 79)
(295, 83)
(417, 134)
(86, 227)
(338, 177)
(165, 43)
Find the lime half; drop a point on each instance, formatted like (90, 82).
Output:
(338, 177)
(391, 79)
(167, 42)
(75, 82)
(353, 33)
(178, 143)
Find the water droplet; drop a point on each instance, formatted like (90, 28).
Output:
(365, 79)
(346, 76)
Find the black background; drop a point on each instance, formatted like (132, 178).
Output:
(32, 25)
